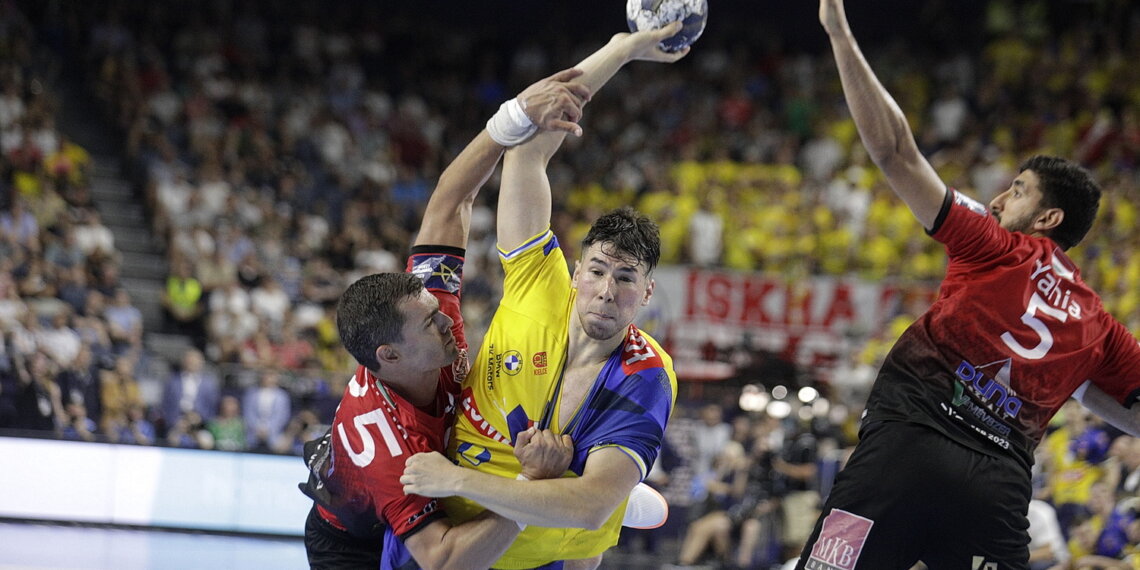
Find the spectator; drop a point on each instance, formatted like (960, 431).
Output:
(64, 252)
(192, 388)
(720, 489)
(119, 390)
(1076, 450)
(215, 270)
(302, 427)
(94, 238)
(125, 321)
(227, 429)
(78, 427)
(73, 289)
(183, 303)
(19, 225)
(269, 302)
(78, 383)
(267, 409)
(712, 433)
(12, 306)
(138, 430)
(187, 432)
(1046, 542)
(292, 351)
(59, 340)
(1127, 448)
(38, 405)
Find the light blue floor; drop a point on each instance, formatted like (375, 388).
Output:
(35, 546)
(40, 546)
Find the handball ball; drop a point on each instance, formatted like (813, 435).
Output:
(654, 14)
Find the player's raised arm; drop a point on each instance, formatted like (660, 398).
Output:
(524, 199)
(551, 104)
(881, 123)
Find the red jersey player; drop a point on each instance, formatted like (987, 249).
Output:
(941, 473)
(406, 331)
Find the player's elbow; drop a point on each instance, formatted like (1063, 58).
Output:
(591, 522)
(442, 558)
(595, 516)
(897, 146)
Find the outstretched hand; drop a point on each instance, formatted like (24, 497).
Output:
(832, 16)
(646, 44)
(555, 103)
(543, 454)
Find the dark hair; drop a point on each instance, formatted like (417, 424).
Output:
(1067, 186)
(631, 234)
(367, 316)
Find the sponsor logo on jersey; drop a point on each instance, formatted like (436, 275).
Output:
(478, 422)
(474, 454)
(995, 392)
(512, 362)
(637, 353)
(437, 273)
(539, 361)
(980, 414)
(493, 361)
(840, 542)
(979, 563)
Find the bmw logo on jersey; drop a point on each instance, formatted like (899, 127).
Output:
(512, 362)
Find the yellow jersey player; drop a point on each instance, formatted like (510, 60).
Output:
(562, 352)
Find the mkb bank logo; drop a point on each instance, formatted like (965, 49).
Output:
(840, 541)
(979, 563)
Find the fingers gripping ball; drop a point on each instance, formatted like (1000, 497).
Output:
(654, 14)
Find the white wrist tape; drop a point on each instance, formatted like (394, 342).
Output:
(520, 476)
(510, 125)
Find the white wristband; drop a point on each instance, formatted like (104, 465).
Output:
(521, 477)
(510, 126)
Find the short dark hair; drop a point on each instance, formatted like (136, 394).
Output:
(631, 234)
(367, 315)
(1067, 186)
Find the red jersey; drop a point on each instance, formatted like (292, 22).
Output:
(1012, 334)
(375, 430)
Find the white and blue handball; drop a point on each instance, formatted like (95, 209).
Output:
(654, 14)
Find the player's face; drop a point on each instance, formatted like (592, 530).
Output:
(1018, 207)
(611, 289)
(428, 342)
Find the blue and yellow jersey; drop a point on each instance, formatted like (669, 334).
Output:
(515, 378)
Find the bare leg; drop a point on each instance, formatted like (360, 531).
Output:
(749, 538)
(720, 527)
(698, 537)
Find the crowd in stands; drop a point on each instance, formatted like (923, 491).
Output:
(282, 152)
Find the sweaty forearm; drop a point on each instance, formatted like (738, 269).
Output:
(880, 121)
(448, 214)
(463, 178)
(597, 69)
(477, 543)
